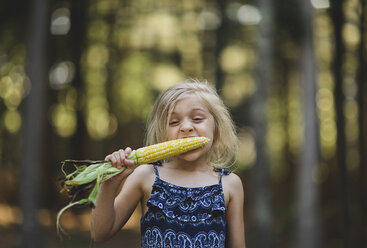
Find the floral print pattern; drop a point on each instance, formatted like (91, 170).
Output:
(181, 217)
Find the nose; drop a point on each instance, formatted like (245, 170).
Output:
(186, 127)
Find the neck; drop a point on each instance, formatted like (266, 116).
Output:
(183, 165)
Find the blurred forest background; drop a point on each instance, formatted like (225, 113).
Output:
(78, 78)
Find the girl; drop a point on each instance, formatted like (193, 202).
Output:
(189, 200)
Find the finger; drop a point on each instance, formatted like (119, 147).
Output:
(110, 158)
(122, 155)
(129, 163)
(115, 159)
(119, 156)
(128, 151)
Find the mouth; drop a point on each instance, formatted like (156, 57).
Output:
(194, 150)
(191, 151)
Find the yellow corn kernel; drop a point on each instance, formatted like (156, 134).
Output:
(166, 149)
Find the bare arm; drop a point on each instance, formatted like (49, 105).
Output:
(111, 212)
(234, 212)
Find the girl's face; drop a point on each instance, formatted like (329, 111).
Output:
(191, 118)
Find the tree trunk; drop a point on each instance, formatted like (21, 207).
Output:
(221, 37)
(362, 81)
(338, 19)
(307, 224)
(77, 33)
(261, 174)
(34, 120)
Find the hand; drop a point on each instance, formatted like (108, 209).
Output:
(119, 159)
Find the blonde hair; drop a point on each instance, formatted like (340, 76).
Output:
(225, 144)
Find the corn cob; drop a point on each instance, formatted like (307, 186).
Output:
(98, 171)
(86, 174)
(153, 153)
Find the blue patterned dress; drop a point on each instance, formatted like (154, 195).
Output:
(184, 217)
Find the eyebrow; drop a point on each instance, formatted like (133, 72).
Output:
(196, 108)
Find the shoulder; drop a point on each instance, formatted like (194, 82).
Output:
(142, 174)
(143, 171)
(232, 183)
(231, 179)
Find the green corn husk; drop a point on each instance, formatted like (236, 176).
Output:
(86, 175)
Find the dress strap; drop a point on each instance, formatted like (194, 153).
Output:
(222, 172)
(155, 169)
(221, 175)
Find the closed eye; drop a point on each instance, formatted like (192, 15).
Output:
(198, 119)
(172, 123)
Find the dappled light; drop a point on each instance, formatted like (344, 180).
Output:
(9, 215)
(60, 21)
(320, 4)
(247, 154)
(63, 119)
(238, 62)
(165, 75)
(209, 20)
(61, 74)
(12, 121)
(14, 87)
(237, 88)
(248, 15)
(325, 100)
(98, 30)
(236, 58)
(352, 38)
(158, 31)
(132, 88)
